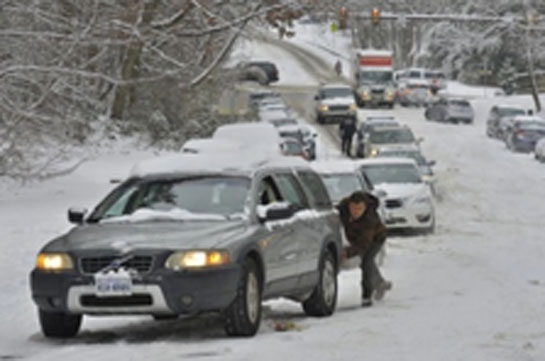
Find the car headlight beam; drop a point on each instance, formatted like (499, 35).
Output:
(196, 259)
(54, 262)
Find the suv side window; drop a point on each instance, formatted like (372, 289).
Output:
(315, 190)
(268, 191)
(290, 190)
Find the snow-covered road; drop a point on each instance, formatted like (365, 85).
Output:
(474, 290)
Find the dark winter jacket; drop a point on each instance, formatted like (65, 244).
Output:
(361, 232)
(348, 128)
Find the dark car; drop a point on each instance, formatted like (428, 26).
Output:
(371, 123)
(190, 234)
(525, 132)
(254, 70)
(496, 115)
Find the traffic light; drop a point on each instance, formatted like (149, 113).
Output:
(375, 16)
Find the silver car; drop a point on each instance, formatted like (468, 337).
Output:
(191, 234)
(450, 111)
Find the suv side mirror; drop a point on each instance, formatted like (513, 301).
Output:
(275, 211)
(76, 215)
(431, 163)
(419, 140)
(316, 97)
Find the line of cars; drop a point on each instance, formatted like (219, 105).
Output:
(520, 130)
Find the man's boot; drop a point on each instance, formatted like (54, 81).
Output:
(381, 289)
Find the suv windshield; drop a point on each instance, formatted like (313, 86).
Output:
(190, 197)
(337, 93)
(341, 185)
(391, 136)
(392, 173)
(375, 77)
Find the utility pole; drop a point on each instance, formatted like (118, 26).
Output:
(535, 91)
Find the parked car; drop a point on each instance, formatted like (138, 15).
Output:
(539, 150)
(335, 103)
(409, 201)
(414, 93)
(292, 147)
(424, 166)
(524, 134)
(454, 110)
(341, 178)
(190, 234)
(389, 138)
(303, 134)
(497, 113)
(264, 72)
(260, 95)
(372, 122)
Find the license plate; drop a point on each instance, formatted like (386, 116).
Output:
(113, 283)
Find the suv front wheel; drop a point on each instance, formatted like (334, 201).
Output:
(323, 300)
(58, 324)
(243, 316)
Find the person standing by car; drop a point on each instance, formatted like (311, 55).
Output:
(347, 130)
(366, 234)
(338, 68)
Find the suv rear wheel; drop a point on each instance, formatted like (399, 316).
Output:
(323, 300)
(243, 316)
(59, 324)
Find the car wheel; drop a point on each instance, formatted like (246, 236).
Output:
(59, 324)
(243, 316)
(323, 299)
(427, 115)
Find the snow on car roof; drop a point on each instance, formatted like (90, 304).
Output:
(243, 164)
(528, 118)
(507, 106)
(289, 128)
(200, 145)
(335, 86)
(249, 132)
(334, 166)
(385, 161)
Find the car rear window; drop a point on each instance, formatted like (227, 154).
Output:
(460, 103)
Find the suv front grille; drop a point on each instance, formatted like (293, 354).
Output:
(339, 108)
(91, 265)
(394, 203)
(377, 91)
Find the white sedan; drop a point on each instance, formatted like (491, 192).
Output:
(409, 201)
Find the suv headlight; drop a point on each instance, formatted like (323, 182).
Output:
(374, 152)
(323, 108)
(353, 107)
(196, 259)
(365, 94)
(54, 262)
